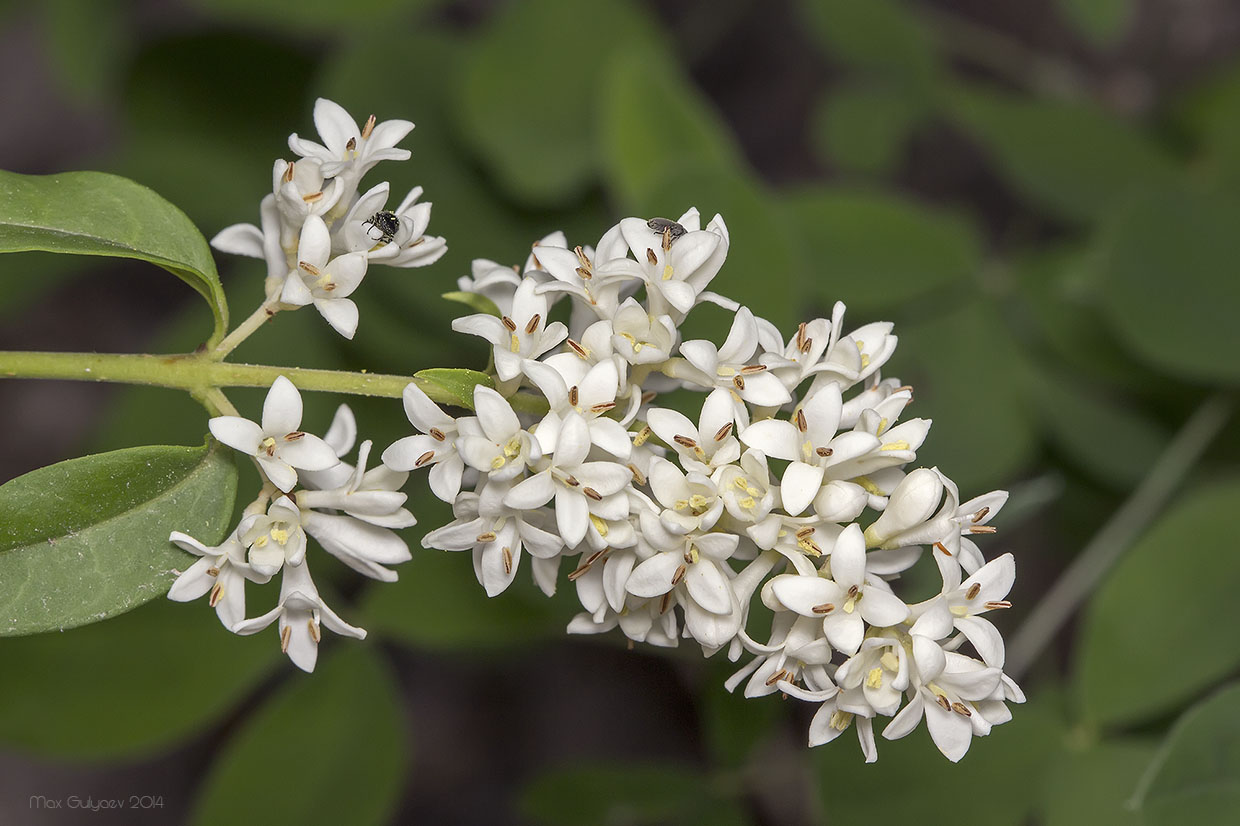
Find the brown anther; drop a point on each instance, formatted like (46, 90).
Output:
(572, 482)
(800, 339)
(667, 239)
(577, 348)
(329, 286)
(684, 441)
(535, 320)
(738, 382)
(638, 476)
(594, 557)
(509, 323)
(679, 575)
(998, 605)
(315, 633)
(777, 676)
(961, 708)
(591, 493)
(369, 127)
(983, 529)
(213, 571)
(485, 536)
(579, 572)
(436, 434)
(750, 369)
(811, 547)
(602, 407)
(942, 547)
(807, 346)
(804, 532)
(271, 450)
(217, 593)
(308, 267)
(581, 256)
(424, 458)
(351, 145)
(573, 395)
(667, 600)
(853, 590)
(824, 452)
(651, 257)
(296, 435)
(799, 420)
(312, 197)
(285, 636)
(974, 590)
(629, 646)
(648, 396)
(585, 274)
(507, 559)
(723, 432)
(825, 608)
(288, 173)
(981, 514)
(902, 388)
(943, 701)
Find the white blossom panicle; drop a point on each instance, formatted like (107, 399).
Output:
(673, 482)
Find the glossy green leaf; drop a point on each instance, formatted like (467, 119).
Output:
(477, 302)
(864, 128)
(129, 686)
(877, 252)
(1105, 436)
(632, 795)
(968, 376)
(1171, 592)
(654, 123)
(87, 539)
(93, 213)
(1195, 777)
(883, 36)
(1093, 786)
(529, 93)
(1073, 160)
(334, 742)
(1169, 287)
(457, 383)
(1101, 22)
(1000, 776)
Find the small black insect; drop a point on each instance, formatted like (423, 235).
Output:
(669, 229)
(385, 223)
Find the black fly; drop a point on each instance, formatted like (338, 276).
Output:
(387, 225)
(670, 230)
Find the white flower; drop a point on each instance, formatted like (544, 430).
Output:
(302, 190)
(278, 445)
(703, 447)
(960, 605)
(222, 571)
(503, 449)
(677, 267)
(746, 488)
(844, 601)
(574, 387)
(300, 612)
(408, 246)
(434, 446)
(266, 243)
(492, 281)
(690, 502)
(275, 537)
(729, 366)
(324, 281)
(347, 151)
(517, 338)
(341, 435)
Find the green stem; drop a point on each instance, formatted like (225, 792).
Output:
(257, 319)
(1164, 480)
(200, 373)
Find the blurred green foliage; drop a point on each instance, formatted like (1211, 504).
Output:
(1057, 333)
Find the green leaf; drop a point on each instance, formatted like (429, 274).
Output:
(87, 539)
(1101, 22)
(457, 383)
(1000, 776)
(93, 213)
(632, 795)
(982, 434)
(334, 742)
(1169, 287)
(876, 252)
(655, 122)
(1073, 160)
(1173, 591)
(133, 685)
(1092, 787)
(475, 301)
(529, 94)
(1109, 438)
(883, 36)
(864, 128)
(1195, 777)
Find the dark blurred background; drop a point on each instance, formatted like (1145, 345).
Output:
(1043, 195)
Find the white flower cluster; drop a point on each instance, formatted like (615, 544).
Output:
(786, 482)
(318, 235)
